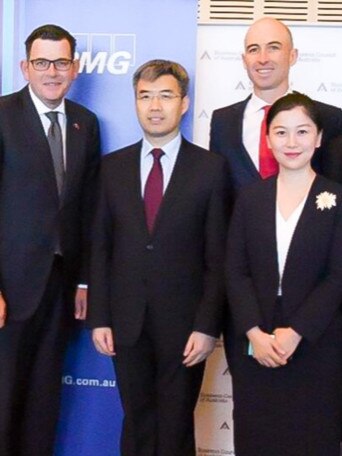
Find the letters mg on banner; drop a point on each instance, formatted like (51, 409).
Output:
(118, 54)
(113, 39)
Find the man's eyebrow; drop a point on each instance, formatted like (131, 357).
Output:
(267, 44)
(153, 91)
(274, 42)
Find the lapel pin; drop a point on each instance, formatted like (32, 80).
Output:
(76, 125)
(325, 200)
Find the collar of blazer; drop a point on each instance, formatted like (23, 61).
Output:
(74, 143)
(312, 222)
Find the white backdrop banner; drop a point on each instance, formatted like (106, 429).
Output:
(220, 81)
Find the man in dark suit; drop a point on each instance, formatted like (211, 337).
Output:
(156, 289)
(49, 153)
(235, 130)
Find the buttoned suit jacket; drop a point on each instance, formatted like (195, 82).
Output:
(31, 214)
(312, 277)
(177, 270)
(227, 140)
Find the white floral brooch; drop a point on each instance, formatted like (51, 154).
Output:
(325, 200)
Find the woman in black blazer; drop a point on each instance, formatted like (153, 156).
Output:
(284, 279)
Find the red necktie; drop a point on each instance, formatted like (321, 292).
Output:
(268, 166)
(153, 193)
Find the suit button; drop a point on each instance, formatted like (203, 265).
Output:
(149, 247)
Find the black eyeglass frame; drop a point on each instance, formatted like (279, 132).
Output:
(59, 64)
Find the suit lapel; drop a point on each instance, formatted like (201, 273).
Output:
(243, 156)
(181, 176)
(133, 189)
(267, 204)
(74, 137)
(308, 221)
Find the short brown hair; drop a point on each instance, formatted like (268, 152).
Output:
(153, 69)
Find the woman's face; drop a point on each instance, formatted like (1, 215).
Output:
(293, 138)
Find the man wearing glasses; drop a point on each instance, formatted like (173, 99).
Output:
(49, 153)
(156, 288)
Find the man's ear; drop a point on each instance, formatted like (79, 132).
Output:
(24, 65)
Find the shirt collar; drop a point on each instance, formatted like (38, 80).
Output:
(169, 149)
(255, 103)
(42, 108)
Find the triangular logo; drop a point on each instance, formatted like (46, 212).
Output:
(322, 88)
(240, 86)
(203, 115)
(205, 55)
(225, 425)
(226, 371)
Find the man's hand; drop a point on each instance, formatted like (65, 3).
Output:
(81, 303)
(198, 348)
(289, 339)
(104, 341)
(3, 311)
(267, 350)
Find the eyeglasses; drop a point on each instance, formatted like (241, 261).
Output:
(44, 64)
(163, 97)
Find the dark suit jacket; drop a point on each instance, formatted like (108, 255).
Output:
(226, 139)
(312, 279)
(31, 215)
(334, 159)
(178, 269)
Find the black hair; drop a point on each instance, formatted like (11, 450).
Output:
(50, 32)
(294, 100)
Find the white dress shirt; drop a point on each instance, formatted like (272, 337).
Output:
(167, 161)
(284, 234)
(42, 109)
(251, 126)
